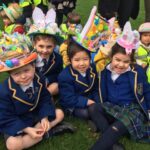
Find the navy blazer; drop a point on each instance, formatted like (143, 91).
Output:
(17, 111)
(75, 90)
(53, 68)
(139, 85)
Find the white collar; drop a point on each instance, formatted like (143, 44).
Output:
(39, 61)
(24, 88)
(83, 74)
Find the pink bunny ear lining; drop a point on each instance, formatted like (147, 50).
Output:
(128, 47)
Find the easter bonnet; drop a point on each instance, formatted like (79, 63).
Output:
(45, 24)
(128, 39)
(91, 31)
(15, 52)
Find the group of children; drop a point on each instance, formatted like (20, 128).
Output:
(116, 99)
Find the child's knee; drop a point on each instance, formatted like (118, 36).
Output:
(14, 143)
(59, 113)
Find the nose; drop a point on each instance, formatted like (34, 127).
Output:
(22, 75)
(81, 62)
(121, 64)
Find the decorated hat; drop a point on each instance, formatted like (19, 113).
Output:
(128, 39)
(145, 27)
(44, 24)
(13, 11)
(15, 52)
(91, 31)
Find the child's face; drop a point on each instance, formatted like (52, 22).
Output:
(24, 75)
(120, 63)
(145, 38)
(80, 61)
(44, 47)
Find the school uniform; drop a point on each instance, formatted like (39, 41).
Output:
(127, 99)
(75, 89)
(52, 68)
(18, 111)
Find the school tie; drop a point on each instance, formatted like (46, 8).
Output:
(29, 92)
(45, 63)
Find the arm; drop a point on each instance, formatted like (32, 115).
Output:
(10, 122)
(68, 95)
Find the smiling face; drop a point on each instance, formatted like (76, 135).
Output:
(23, 76)
(44, 47)
(120, 62)
(145, 38)
(80, 61)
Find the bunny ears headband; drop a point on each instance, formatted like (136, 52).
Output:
(44, 24)
(129, 39)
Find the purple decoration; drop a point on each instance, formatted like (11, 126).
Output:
(15, 61)
(9, 63)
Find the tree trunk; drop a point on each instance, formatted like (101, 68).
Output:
(147, 10)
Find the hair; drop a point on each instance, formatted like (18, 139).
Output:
(119, 49)
(74, 48)
(44, 37)
(73, 18)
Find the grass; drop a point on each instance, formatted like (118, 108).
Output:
(83, 138)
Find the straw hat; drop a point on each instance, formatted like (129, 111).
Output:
(15, 52)
(13, 11)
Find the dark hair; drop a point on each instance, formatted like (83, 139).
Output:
(119, 49)
(44, 37)
(74, 48)
(73, 18)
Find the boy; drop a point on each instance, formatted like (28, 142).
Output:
(26, 110)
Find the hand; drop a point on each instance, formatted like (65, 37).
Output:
(45, 124)
(144, 65)
(90, 102)
(34, 132)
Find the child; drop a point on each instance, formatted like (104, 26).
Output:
(77, 82)
(44, 38)
(71, 27)
(26, 110)
(124, 95)
(10, 15)
(143, 52)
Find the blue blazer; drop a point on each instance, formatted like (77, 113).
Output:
(75, 90)
(17, 111)
(139, 85)
(53, 68)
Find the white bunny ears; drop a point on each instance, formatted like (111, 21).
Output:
(129, 39)
(44, 24)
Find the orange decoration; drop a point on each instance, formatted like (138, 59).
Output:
(1, 66)
(30, 58)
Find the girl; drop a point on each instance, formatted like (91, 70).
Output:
(78, 82)
(143, 52)
(124, 94)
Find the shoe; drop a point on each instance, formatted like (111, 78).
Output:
(92, 126)
(118, 146)
(61, 128)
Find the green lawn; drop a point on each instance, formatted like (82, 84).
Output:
(83, 138)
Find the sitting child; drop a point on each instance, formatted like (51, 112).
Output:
(45, 36)
(78, 82)
(27, 113)
(143, 52)
(124, 95)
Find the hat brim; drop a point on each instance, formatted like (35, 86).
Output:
(80, 44)
(58, 38)
(22, 62)
(9, 15)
